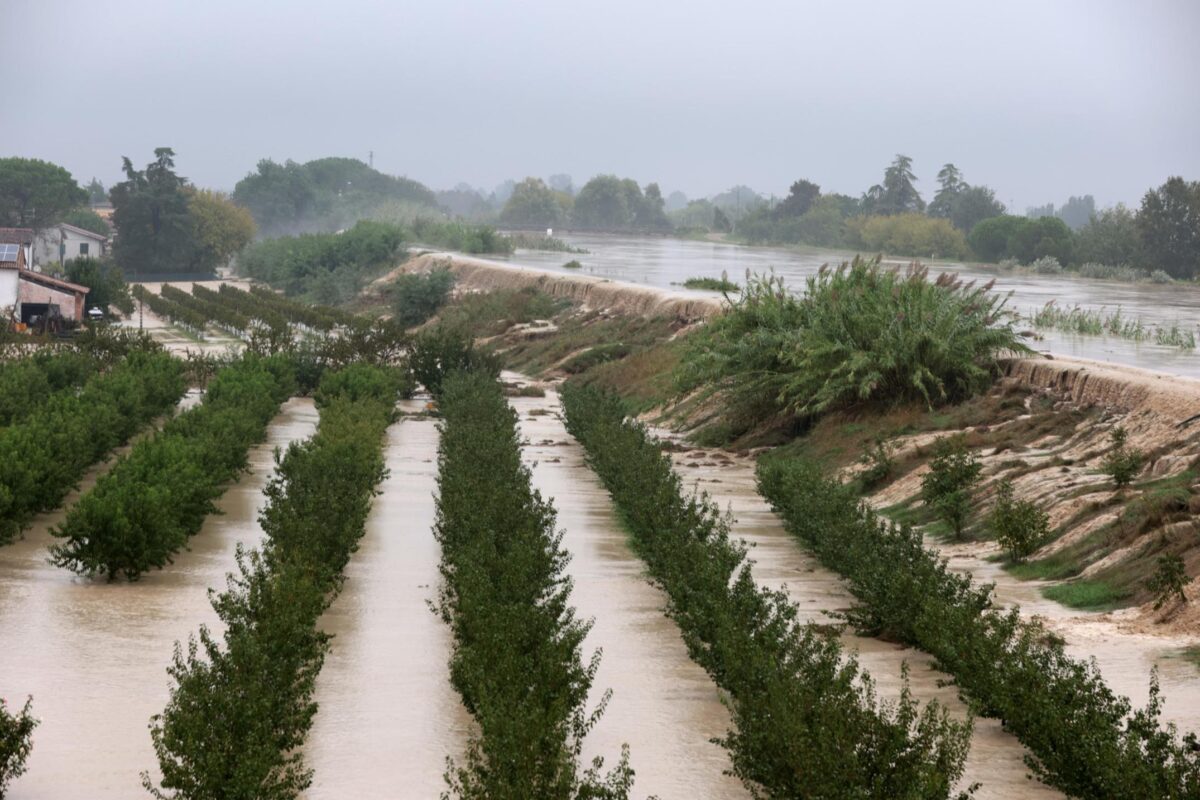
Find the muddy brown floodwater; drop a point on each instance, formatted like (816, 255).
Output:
(388, 716)
(94, 654)
(663, 706)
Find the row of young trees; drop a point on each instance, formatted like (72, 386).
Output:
(1083, 739)
(143, 511)
(806, 720)
(242, 705)
(517, 644)
(44, 455)
(187, 318)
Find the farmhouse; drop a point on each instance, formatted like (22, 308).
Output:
(26, 295)
(64, 242)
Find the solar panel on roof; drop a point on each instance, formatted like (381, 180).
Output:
(8, 252)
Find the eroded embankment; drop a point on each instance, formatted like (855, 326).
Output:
(592, 293)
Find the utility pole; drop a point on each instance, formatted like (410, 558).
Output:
(371, 159)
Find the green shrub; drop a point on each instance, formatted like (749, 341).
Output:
(860, 334)
(573, 264)
(26, 384)
(16, 742)
(1083, 739)
(805, 718)
(418, 296)
(721, 284)
(1018, 525)
(1168, 581)
(441, 351)
(1122, 463)
(337, 264)
(878, 464)
(946, 488)
(594, 356)
(1046, 265)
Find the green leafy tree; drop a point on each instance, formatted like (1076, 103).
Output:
(1018, 525)
(1077, 211)
(973, 205)
(106, 285)
(150, 212)
(801, 197)
(1169, 223)
(219, 229)
(606, 202)
(1110, 237)
(897, 194)
(36, 194)
(950, 185)
(989, 238)
(532, 203)
(1168, 581)
(651, 211)
(16, 742)
(946, 488)
(418, 296)
(96, 192)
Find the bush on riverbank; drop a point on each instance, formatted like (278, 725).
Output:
(418, 296)
(860, 334)
(16, 742)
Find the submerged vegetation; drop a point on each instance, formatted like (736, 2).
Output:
(860, 334)
(1112, 323)
(16, 741)
(721, 284)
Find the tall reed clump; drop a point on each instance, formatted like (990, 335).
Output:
(859, 334)
(242, 705)
(806, 720)
(44, 455)
(1083, 739)
(516, 660)
(143, 511)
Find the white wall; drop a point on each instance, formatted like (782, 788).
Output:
(8, 291)
(46, 250)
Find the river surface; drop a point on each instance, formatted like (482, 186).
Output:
(667, 263)
(94, 654)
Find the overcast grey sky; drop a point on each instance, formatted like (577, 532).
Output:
(1039, 100)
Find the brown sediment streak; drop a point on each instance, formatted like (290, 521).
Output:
(593, 293)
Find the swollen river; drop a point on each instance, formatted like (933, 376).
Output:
(667, 263)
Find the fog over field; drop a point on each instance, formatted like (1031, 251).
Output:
(1038, 100)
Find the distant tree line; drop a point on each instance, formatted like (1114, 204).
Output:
(606, 202)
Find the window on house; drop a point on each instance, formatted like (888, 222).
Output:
(83, 248)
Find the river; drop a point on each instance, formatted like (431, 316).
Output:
(667, 263)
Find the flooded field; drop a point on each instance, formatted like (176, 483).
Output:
(94, 654)
(665, 706)
(667, 263)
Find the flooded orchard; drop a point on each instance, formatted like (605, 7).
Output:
(94, 654)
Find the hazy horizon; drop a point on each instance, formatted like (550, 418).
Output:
(1037, 101)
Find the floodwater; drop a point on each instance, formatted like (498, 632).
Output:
(663, 705)
(388, 715)
(94, 654)
(667, 263)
